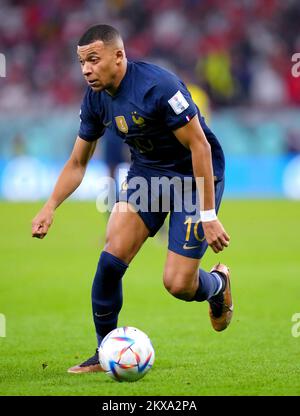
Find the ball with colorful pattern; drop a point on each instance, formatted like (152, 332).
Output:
(126, 354)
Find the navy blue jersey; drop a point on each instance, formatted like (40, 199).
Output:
(149, 105)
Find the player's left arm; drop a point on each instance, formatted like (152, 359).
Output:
(191, 136)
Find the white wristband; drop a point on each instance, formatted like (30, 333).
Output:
(209, 215)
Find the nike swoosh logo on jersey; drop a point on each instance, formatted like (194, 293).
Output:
(108, 123)
(186, 247)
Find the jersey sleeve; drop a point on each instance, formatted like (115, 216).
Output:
(175, 103)
(91, 126)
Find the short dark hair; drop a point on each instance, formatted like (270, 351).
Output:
(105, 33)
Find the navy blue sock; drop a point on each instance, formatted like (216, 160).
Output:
(107, 296)
(209, 285)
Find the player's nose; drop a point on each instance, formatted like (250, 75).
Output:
(86, 69)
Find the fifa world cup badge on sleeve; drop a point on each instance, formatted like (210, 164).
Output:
(178, 103)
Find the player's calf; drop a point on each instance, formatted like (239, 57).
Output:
(183, 282)
(179, 288)
(181, 276)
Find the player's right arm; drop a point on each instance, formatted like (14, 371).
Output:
(68, 181)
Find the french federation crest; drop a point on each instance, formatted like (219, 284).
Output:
(121, 123)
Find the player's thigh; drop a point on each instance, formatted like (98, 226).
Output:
(180, 273)
(186, 234)
(125, 233)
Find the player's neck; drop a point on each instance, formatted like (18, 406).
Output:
(117, 82)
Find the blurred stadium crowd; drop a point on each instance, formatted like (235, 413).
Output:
(239, 51)
(234, 55)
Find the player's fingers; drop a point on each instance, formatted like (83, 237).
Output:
(34, 232)
(39, 230)
(39, 235)
(224, 242)
(44, 227)
(35, 227)
(214, 249)
(35, 235)
(216, 246)
(226, 236)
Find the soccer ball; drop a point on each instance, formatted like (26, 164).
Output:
(126, 354)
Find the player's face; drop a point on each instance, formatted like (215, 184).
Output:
(99, 64)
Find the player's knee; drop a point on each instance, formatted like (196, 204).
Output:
(117, 248)
(179, 286)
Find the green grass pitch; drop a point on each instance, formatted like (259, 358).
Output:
(45, 297)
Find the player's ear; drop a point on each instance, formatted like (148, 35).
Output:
(120, 55)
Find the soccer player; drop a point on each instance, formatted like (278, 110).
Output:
(151, 109)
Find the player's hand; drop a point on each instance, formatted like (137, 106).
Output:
(42, 222)
(215, 235)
